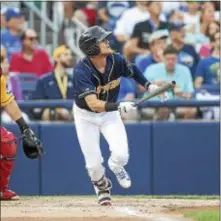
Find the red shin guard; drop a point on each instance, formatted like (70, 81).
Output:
(8, 151)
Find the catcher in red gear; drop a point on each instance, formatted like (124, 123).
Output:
(8, 143)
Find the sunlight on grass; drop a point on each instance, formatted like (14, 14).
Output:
(203, 215)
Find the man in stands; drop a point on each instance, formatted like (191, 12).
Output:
(138, 43)
(56, 85)
(30, 59)
(187, 53)
(168, 71)
(125, 24)
(158, 43)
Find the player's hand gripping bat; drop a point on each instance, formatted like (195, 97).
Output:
(157, 92)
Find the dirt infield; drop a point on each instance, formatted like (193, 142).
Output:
(86, 209)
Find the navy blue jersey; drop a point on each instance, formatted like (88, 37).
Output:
(88, 80)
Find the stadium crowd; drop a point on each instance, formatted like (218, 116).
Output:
(166, 40)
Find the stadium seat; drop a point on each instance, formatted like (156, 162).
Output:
(212, 89)
(28, 84)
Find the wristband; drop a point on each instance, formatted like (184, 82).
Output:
(111, 106)
(22, 124)
(147, 85)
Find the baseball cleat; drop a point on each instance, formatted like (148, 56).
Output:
(9, 195)
(123, 178)
(103, 192)
(104, 198)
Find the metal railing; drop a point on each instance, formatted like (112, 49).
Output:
(72, 30)
(69, 103)
(45, 22)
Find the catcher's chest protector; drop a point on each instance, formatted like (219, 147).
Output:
(8, 149)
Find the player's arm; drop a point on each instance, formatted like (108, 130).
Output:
(14, 112)
(10, 106)
(97, 105)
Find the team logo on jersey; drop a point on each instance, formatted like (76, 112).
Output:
(111, 85)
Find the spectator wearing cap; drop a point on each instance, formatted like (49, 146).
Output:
(168, 71)
(10, 38)
(187, 53)
(157, 44)
(56, 85)
(138, 43)
(208, 69)
(30, 59)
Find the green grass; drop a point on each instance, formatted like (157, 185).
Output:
(189, 197)
(203, 215)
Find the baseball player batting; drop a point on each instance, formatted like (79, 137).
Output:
(31, 145)
(97, 84)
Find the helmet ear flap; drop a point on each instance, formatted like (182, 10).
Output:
(89, 46)
(94, 50)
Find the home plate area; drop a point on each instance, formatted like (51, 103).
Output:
(70, 208)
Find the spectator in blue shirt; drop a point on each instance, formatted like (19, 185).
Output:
(158, 43)
(208, 69)
(127, 93)
(168, 71)
(187, 53)
(10, 37)
(56, 85)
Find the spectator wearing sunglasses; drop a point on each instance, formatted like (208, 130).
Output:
(30, 59)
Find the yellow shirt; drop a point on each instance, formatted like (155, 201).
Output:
(6, 97)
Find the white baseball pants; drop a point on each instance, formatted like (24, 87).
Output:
(89, 125)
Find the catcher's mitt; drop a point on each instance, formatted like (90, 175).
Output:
(32, 146)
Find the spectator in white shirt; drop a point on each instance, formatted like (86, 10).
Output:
(169, 6)
(191, 18)
(125, 25)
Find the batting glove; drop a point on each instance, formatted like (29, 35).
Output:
(153, 87)
(125, 107)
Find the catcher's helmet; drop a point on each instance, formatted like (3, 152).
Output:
(89, 40)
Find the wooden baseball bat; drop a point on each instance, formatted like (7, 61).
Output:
(159, 91)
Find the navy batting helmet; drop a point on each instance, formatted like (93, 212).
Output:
(89, 40)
